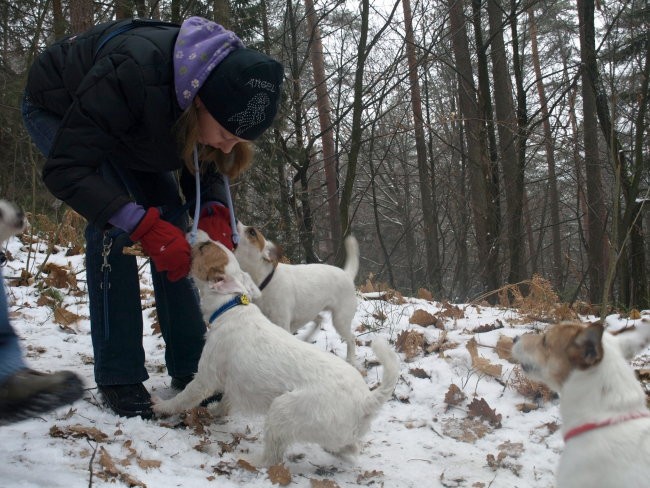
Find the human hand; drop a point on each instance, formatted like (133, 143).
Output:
(165, 244)
(215, 221)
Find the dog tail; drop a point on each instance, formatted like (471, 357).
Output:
(351, 256)
(389, 360)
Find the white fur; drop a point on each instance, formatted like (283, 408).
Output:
(12, 220)
(298, 293)
(308, 395)
(612, 456)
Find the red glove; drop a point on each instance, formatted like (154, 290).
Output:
(215, 221)
(165, 244)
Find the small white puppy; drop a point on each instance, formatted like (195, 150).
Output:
(12, 220)
(308, 395)
(605, 421)
(295, 294)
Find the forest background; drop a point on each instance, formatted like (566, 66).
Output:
(468, 144)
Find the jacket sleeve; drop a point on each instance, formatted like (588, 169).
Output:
(107, 104)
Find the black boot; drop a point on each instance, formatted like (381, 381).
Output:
(128, 400)
(28, 393)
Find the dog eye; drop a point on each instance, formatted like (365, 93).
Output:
(251, 231)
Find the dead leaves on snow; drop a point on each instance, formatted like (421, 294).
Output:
(90, 433)
(480, 363)
(111, 469)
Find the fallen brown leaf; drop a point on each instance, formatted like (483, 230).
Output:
(77, 431)
(410, 343)
(480, 408)
(279, 475)
(454, 395)
(423, 318)
(323, 484)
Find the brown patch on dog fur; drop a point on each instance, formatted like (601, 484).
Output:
(255, 237)
(563, 348)
(209, 262)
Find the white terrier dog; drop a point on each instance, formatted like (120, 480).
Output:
(308, 395)
(606, 424)
(295, 294)
(12, 220)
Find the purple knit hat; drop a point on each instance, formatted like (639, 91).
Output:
(201, 45)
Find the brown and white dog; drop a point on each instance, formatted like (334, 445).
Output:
(295, 294)
(308, 395)
(606, 424)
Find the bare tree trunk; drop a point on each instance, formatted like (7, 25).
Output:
(458, 159)
(596, 248)
(140, 8)
(478, 162)
(549, 147)
(123, 9)
(59, 20)
(487, 126)
(176, 11)
(81, 15)
(507, 128)
(428, 215)
(221, 12)
(330, 162)
(301, 161)
(355, 137)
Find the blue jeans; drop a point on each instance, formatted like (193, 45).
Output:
(115, 308)
(11, 354)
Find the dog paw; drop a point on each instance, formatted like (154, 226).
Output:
(160, 407)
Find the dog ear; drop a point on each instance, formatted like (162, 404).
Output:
(252, 290)
(272, 253)
(586, 350)
(226, 285)
(633, 340)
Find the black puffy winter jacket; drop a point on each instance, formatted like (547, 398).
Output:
(116, 98)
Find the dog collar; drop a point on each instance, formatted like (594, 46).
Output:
(267, 280)
(597, 425)
(238, 300)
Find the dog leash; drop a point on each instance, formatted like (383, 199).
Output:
(197, 206)
(238, 300)
(597, 425)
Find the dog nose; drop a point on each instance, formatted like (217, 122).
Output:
(515, 339)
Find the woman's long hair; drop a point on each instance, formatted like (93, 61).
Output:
(231, 165)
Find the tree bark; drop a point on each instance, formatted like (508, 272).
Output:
(355, 136)
(478, 162)
(507, 128)
(428, 214)
(81, 15)
(554, 206)
(596, 249)
(330, 162)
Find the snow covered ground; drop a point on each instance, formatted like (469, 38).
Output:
(479, 433)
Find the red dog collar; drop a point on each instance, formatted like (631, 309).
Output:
(597, 425)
